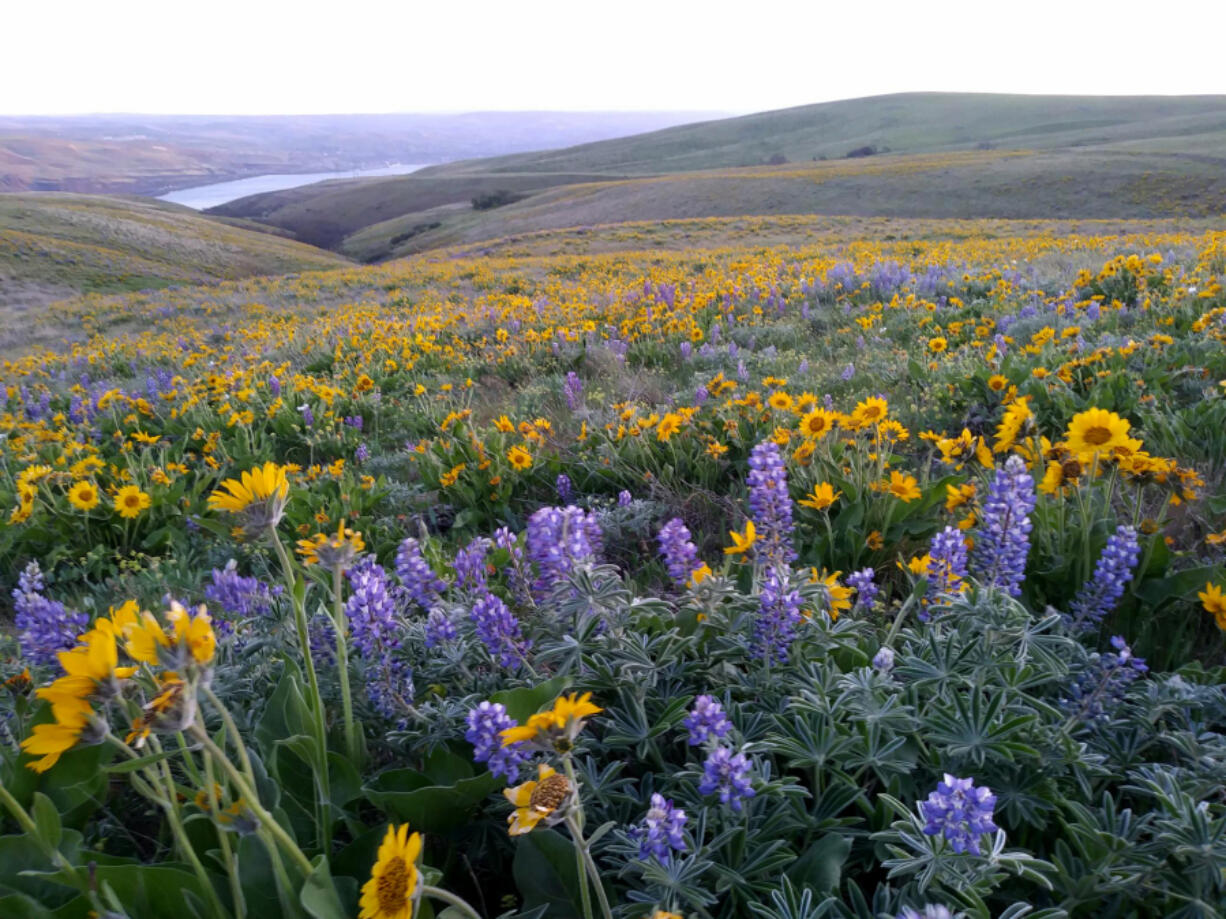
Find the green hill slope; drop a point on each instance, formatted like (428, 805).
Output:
(903, 123)
(54, 245)
(935, 155)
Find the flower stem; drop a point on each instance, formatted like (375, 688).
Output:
(450, 899)
(341, 628)
(584, 864)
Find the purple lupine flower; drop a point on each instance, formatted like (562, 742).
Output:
(498, 630)
(624, 498)
(947, 566)
(680, 555)
(706, 721)
(559, 539)
(470, 565)
(662, 831)
(778, 617)
(439, 628)
(687, 350)
(274, 386)
(562, 486)
(573, 388)
(389, 686)
(354, 421)
(415, 573)
(371, 609)
(803, 367)
(1114, 570)
(741, 373)
(240, 596)
(517, 578)
(727, 774)
(770, 504)
(44, 626)
(485, 723)
(848, 372)
(960, 812)
(361, 454)
(1099, 689)
(701, 395)
(308, 416)
(930, 911)
(321, 635)
(883, 660)
(865, 586)
(1002, 540)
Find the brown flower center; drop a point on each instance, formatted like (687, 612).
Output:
(1097, 435)
(549, 794)
(393, 886)
(1070, 469)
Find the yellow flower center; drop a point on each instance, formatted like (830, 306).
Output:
(549, 794)
(1097, 435)
(393, 885)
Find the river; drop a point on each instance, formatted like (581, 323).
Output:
(206, 196)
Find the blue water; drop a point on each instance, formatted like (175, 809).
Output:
(205, 196)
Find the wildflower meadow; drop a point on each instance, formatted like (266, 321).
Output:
(879, 575)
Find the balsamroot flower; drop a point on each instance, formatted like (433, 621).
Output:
(258, 497)
(557, 728)
(395, 885)
(960, 812)
(661, 832)
(1002, 540)
(1099, 595)
(547, 798)
(334, 553)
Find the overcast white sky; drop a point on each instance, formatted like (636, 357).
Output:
(269, 56)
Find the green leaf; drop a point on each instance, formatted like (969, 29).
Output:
(319, 897)
(545, 873)
(132, 765)
(820, 867)
(408, 795)
(528, 700)
(46, 819)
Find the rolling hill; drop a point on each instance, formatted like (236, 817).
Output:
(918, 154)
(54, 245)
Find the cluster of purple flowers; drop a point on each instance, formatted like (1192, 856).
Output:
(770, 504)
(498, 630)
(239, 596)
(563, 487)
(883, 660)
(662, 831)
(371, 609)
(389, 686)
(573, 388)
(560, 539)
(778, 617)
(44, 626)
(1099, 689)
(361, 454)
(960, 812)
(470, 565)
(439, 628)
(865, 585)
(727, 774)
(1002, 540)
(680, 555)
(415, 573)
(946, 566)
(485, 723)
(1099, 595)
(706, 721)
(624, 498)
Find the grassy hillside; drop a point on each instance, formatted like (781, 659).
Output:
(938, 155)
(54, 245)
(1055, 184)
(324, 213)
(903, 123)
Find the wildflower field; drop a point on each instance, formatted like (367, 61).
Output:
(796, 568)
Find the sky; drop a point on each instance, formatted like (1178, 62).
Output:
(274, 57)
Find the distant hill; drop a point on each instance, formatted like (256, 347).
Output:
(154, 154)
(917, 154)
(56, 245)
